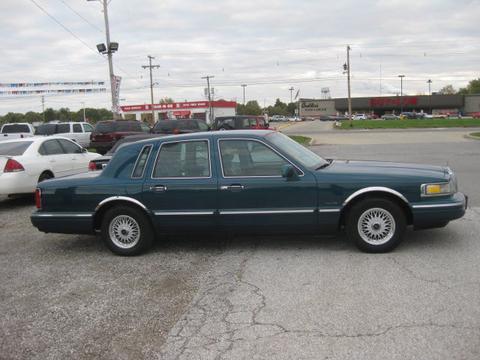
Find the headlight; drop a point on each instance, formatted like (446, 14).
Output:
(438, 189)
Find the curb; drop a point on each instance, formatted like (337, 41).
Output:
(468, 136)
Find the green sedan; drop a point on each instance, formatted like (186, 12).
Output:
(245, 181)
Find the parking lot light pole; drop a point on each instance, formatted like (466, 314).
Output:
(401, 92)
(347, 69)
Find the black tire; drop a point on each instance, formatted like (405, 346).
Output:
(113, 219)
(45, 176)
(376, 225)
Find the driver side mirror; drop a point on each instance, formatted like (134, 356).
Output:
(84, 150)
(289, 173)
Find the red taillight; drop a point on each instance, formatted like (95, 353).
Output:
(176, 131)
(92, 166)
(38, 198)
(13, 166)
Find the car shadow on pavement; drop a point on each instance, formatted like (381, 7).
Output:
(8, 203)
(415, 241)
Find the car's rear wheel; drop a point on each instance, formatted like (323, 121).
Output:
(126, 231)
(376, 225)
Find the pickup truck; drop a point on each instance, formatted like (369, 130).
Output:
(16, 130)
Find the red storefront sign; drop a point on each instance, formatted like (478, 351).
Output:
(181, 113)
(393, 101)
(180, 105)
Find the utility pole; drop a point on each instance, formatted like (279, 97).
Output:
(429, 81)
(84, 117)
(349, 87)
(244, 86)
(150, 67)
(401, 92)
(210, 114)
(43, 107)
(291, 94)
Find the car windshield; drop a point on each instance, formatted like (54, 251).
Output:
(15, 129)
(296, 151)
(16, 148)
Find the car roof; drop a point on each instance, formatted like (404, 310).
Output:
(37, 138)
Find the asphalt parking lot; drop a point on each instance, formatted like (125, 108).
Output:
(279, 297)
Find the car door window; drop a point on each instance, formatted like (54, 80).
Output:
(88, 127)
(51, 147)
(70, 148)
(203, 126)
(62, 128)
(77, 128)
(183, 159)
(249, 158)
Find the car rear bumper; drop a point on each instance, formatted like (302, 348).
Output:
(64, 223)
(17, 183)
(439, 212)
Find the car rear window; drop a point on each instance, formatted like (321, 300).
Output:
(15, 129)
(165, 126)
(14, 148)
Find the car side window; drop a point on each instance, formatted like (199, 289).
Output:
(145, 127)
(183, 159)
(249, 158)
(51, 147)
(141, 162)
(77, 128)
(69, 147)
(88, 127)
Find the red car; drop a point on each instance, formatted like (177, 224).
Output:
(107, 133)
(240, 122)
(476, 115)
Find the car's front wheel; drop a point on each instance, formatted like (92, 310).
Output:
(376, 225)
(126, 231)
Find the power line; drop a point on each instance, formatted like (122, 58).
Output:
(81, 16)
(63, 26)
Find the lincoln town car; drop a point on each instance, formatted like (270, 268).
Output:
(245, 181)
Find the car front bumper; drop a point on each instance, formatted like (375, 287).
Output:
(438, 212)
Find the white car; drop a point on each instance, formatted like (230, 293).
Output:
(16, 131)
(76, 131)
(359, 117)
(26, 162)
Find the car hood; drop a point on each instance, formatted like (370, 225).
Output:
(387, 169)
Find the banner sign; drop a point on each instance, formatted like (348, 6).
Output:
(56, 83)
(180, 105)
(57, 91)
(393, 101)
(116, 89)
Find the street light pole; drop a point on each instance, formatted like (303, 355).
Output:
(208, 77)
(150, 67)
(244, 86)
(84, 117)
(429, 81)
(401, 92)
(109, 53)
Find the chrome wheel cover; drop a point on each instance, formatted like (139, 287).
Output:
(376, 226)
(124, 231)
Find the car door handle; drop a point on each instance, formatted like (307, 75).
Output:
(158, 188)
(233, 187)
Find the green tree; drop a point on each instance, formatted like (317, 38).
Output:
(50, 114)
(166, 100)
(291, 108)
(447, 90)
(250, 108)
(473, 87)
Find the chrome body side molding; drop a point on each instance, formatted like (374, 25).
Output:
(373, 189)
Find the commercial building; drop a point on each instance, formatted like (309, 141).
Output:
(188, 109)
(435, 104)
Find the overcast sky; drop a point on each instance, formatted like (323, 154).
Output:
(268, 45)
